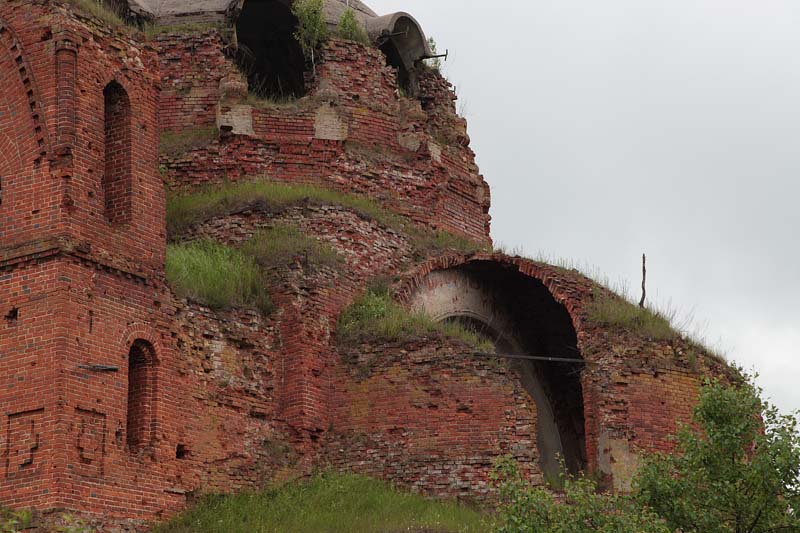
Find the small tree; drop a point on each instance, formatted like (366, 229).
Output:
(349, 28)
(736, 470)
(436, 62)
(312, 30)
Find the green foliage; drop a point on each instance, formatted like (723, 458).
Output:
(436, 62)
(427, 243)
(13, 521)
(283, 244)
(176, 143)
(527, 509)
(329, 503)
(98, 10)
(349, 28)
(217, 276)
(375, 315)
(735, 470)
(612, 310)
(312, 29)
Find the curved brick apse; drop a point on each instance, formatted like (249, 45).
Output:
(122, 402)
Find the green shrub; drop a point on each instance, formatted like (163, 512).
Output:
(527, 509)
(176, 143)
(13, 521)
(217, 276)
(349, 28)
(436, 62)
(612, 310)
(331, 503)
(282, 244)
(375, 315)
(312, 29)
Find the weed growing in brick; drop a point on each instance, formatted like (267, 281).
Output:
(217, 276)
(99, 10)
(327, 502)
(12, 521)
(375, 315)
(176, 143)
(284, 244)
(614, 311)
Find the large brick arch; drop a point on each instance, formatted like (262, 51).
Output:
(527, 309)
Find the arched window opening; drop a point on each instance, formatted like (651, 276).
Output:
(519, 315)
(117, 179)
(141, 396)
(268, 53)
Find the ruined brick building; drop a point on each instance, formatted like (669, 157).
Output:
(117, 398)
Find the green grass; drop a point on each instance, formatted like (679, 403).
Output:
(617, 312)
(217, 276)
(327, 503)
(375, 315)
(99, 11)
(176, 143)
(186, 210)
(282, 244)
(12, 521)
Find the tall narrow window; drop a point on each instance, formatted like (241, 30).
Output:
(117, 180)
(141, 396)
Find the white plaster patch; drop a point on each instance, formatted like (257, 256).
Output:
(239, 118)
(329, 126)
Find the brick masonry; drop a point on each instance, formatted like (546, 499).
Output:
(122, 402)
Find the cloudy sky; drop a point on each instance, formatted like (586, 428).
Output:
(671, 127)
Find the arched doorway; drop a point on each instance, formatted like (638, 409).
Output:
(522, 319)
(268, 52)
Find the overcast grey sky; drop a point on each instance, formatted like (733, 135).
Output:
(672, 127)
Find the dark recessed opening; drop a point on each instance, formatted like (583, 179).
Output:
(182, 451)
(12, 315)
(395, 60)
(141, 396)
(268, 52)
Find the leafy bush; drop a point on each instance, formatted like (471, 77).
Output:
(217, 276)
(376, 315)
(736, 469)
(312, 29)
(527, 509)
(282, 244)
(328, 502)
(349, 28)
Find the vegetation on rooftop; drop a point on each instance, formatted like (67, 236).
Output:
(186, 210)
(330, 503)
(98, 10)
(312, 29)
(376, 315)
(612, 310)
(217, 276)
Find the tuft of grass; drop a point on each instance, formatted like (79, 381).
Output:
(330, 503)
(11, 521)
(617, 312)
(217, 276)
(428, 242)
(284, 243)
(176, 143)
(376, 315)
(98, 10)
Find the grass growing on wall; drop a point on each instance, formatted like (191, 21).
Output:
(376, 315)
(330, 503)
(617, 312)
(175, 143)
(98, 10)
(185, 210)
(217, 276)
(282, 244)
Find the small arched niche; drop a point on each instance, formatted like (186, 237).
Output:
(140, 423)
(117, 180)
(268, 53)
(521, 318)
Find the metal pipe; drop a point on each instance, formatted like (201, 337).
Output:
(531, 358)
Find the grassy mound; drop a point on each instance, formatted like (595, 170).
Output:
(328, 503)
(217, 276)
(376, 315)
(283, 243)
